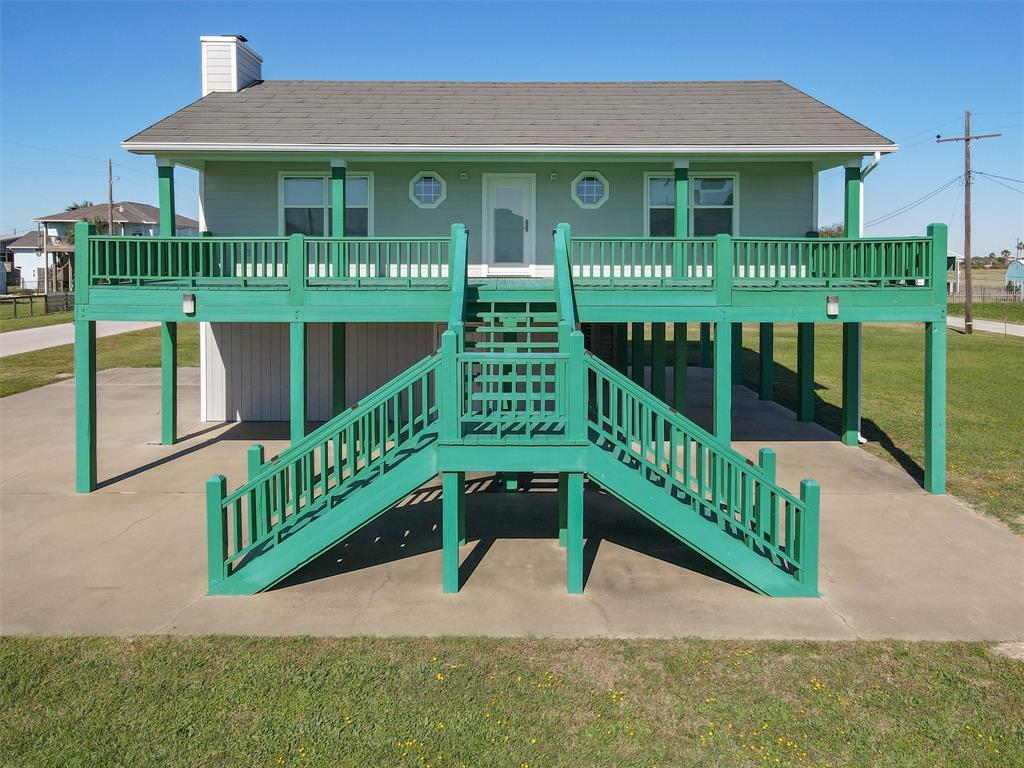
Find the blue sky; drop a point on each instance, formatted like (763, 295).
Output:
(80, 77)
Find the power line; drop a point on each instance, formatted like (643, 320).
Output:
(904, 208)
(1012, 189)
(1004, 178)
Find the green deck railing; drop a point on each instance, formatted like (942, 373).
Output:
(357, 261)
(659, 261)
(351, 449)
(690, 465)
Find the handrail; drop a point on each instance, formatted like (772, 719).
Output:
(395, 260)
(458, 273)
(657, 261)
(280, 493)
(741, 498)
(565, 298)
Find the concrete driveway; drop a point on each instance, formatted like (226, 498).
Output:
(31, 339)
(130, 558)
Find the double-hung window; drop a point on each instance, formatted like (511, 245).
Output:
(306, 205)
(712, 205)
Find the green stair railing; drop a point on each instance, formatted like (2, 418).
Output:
(691, 466)
(350, 450)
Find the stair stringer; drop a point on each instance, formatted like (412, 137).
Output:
(696, 532)
(329, 527)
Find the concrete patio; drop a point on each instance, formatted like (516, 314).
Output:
(130, 558)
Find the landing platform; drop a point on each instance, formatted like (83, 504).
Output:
(131, 558)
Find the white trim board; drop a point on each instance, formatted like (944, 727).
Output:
(597, 149)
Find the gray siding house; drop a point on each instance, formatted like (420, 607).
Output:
(510, 160)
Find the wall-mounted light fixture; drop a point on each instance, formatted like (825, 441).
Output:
(554, 176)
(463, 176)
(832, 306)
(188, 303)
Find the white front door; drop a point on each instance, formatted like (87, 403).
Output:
(509, 226)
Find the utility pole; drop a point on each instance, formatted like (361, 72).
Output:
(110, 197)
(968, 290)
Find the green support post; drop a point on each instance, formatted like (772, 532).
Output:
(638, 363)
(737, 353)
(850, 427)
(766, 358)
(216, 529)
(807, 544)
(296, 270)
(721, 404)
(453, 488)
(258, 507)
(509, 482)
(766, 516)
(935, 406)
(165, 189)
(297, 380)
(168, 383)
(338, 378)
(621, 348)
(85, 366)
(939, 235)
(682, 214)
(574, 534)
(85, 404)
(722, 275)
(448, 397)
(679, 367)
(706, 353)
(337, 198)
(563, 508)
(851, 201)
(805, 371)
(658, 360)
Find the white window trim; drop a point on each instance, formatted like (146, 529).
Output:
(589, 206)
(326, 177)
(412, 189)
(735, 176)
(648, 175)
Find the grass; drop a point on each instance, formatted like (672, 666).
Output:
(440, 702)
(985, 457)
(1003, 311)
(10, 323)
(138, 349)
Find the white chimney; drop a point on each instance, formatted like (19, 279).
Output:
(229, 64)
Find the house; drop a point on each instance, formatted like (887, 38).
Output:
(49, 251)
(464, 277)
(9, 276)
(1015, 276)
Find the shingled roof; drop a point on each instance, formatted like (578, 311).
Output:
(125, 212)
(511, 116)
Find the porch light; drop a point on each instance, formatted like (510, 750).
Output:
(188, 303)
(554, 176)
(832, 306)
(463, 176)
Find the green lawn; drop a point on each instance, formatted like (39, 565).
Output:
(1008, 312)
(506, 703)
(138, 349)
(10, 323)
(985, 456)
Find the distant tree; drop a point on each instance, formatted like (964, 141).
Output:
(831, 230)
(76, 206)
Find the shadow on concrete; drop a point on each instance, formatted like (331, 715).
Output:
(414, 528)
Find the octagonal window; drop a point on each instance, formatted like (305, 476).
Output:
(590, 189)
(427, 189)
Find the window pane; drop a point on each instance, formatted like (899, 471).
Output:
(427, 190)
(357, 222)
(304, 221)
(712, 221)
(663, 222)
(307, 192)
(590, 190)
(712, 191)
(357, 191)
(663, 192)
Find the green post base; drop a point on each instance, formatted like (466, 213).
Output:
(297, 380)
(563, 508)
(510, 482)
(737, 353)
(721, 406)
(168, 383)
(453, 490)
(705, 345)
(85, 406)
(850, 419)
(574, 533)
(766, 358)
(935, 407)
(679, 367)
(637, 362)
(805, 371)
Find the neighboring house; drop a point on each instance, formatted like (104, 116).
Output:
(339, 274)
(9, 276)
(49, 251)
(1015, 276)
